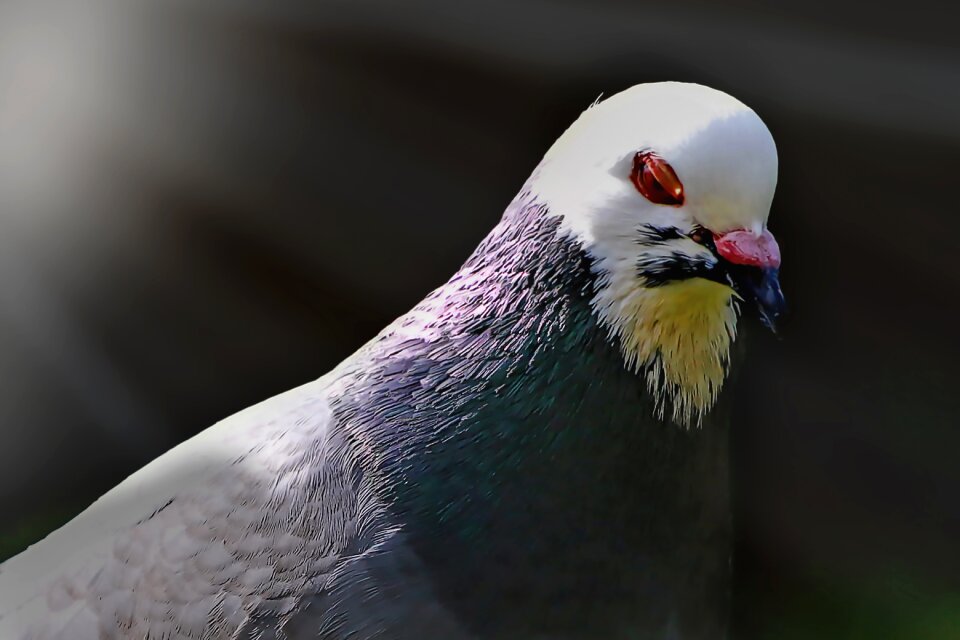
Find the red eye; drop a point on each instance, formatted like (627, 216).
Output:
(655, 179)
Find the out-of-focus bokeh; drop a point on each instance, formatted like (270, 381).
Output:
(206, 202)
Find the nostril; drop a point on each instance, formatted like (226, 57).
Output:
(702, 236)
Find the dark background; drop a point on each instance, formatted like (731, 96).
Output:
(205, 203)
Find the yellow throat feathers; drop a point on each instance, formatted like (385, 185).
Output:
(680, 334)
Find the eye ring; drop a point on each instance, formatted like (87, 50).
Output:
(655, 179)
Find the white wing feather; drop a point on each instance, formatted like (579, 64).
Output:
(248, 517)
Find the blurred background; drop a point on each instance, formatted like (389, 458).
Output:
(205, 203)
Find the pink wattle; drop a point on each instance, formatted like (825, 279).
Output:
(745, 247)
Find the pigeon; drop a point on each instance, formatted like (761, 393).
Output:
(539, 449)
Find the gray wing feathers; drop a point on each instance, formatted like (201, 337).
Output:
(227, 536)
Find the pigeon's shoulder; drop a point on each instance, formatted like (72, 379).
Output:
(245, 520)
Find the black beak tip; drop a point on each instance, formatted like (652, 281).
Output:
(762, 288)
(770, 300)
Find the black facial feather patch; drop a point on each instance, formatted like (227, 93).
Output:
(653, 235)
(662, 269)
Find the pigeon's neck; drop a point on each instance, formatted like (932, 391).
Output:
(505, 425)
(500, 364)
(505, 366)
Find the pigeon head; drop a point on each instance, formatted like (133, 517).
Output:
(667, 187)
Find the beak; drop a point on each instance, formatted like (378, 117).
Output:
(753, 269)
(760, 286)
